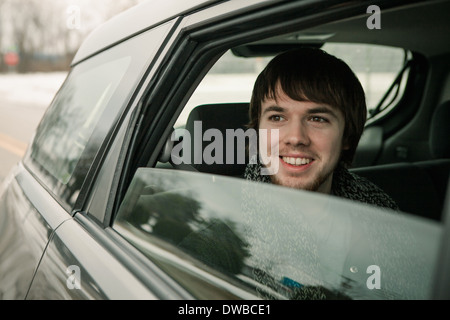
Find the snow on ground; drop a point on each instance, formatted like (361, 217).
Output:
(33, 89)
(38, 89)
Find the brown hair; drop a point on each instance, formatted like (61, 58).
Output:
(310, 74)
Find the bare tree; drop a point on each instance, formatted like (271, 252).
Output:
(43, 29)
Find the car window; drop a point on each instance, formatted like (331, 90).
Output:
(75, 112)
(225, 238)
(231, 79)
(83, 111)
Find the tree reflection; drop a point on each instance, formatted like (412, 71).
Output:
(219, 246)
(173, 214)
(177, 217)
(317, 293)
(50, 146)
(167, 215)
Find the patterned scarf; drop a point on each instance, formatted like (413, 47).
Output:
(345, 184)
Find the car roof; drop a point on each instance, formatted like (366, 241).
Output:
(134, 20)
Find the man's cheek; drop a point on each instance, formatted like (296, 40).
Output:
(269, 150)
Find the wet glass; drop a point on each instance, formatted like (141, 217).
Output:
(225, 238)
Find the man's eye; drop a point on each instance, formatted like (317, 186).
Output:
(318, 119)
(276, 118)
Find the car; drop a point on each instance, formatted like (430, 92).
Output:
(125, 194)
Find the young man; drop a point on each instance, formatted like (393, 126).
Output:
(318, 106)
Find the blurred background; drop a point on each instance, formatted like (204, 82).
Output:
(44, 35)
(38, 40)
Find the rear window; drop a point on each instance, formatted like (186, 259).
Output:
(63, 135)
(84, 110)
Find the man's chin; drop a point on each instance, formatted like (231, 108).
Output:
(296, 183)
(319, 183)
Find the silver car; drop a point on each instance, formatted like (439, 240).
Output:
(100, 208)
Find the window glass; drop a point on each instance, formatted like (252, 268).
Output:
(84, 110)
(75, 112)
(225, 238)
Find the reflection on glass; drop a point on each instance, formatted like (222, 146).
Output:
(72, 117)
(228, 238)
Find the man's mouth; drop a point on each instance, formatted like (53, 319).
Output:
(297, 161)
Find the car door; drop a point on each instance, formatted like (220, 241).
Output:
(24, 232)
(62, 160)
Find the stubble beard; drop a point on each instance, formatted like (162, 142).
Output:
(298, 183)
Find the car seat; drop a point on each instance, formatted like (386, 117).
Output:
(419, 187)
(219, 117)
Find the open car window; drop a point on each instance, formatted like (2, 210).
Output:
(225, 238)
(231, 79)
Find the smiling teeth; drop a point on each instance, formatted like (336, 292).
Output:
(296, 161)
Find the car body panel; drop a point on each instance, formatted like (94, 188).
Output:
(75, 266)
(29, 216)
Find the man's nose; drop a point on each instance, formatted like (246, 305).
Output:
(296, 134)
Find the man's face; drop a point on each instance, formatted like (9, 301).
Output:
(310, 141)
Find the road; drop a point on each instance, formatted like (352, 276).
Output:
(17, 126)
(23, 101)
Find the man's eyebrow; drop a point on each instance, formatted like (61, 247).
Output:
(322, 109)
(311, 111)
(273, 108)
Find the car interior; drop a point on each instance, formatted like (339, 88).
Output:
(405, 148)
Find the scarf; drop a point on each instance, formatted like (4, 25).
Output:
(345, 184)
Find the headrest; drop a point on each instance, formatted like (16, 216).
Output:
(220, 117)
(440, 131)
